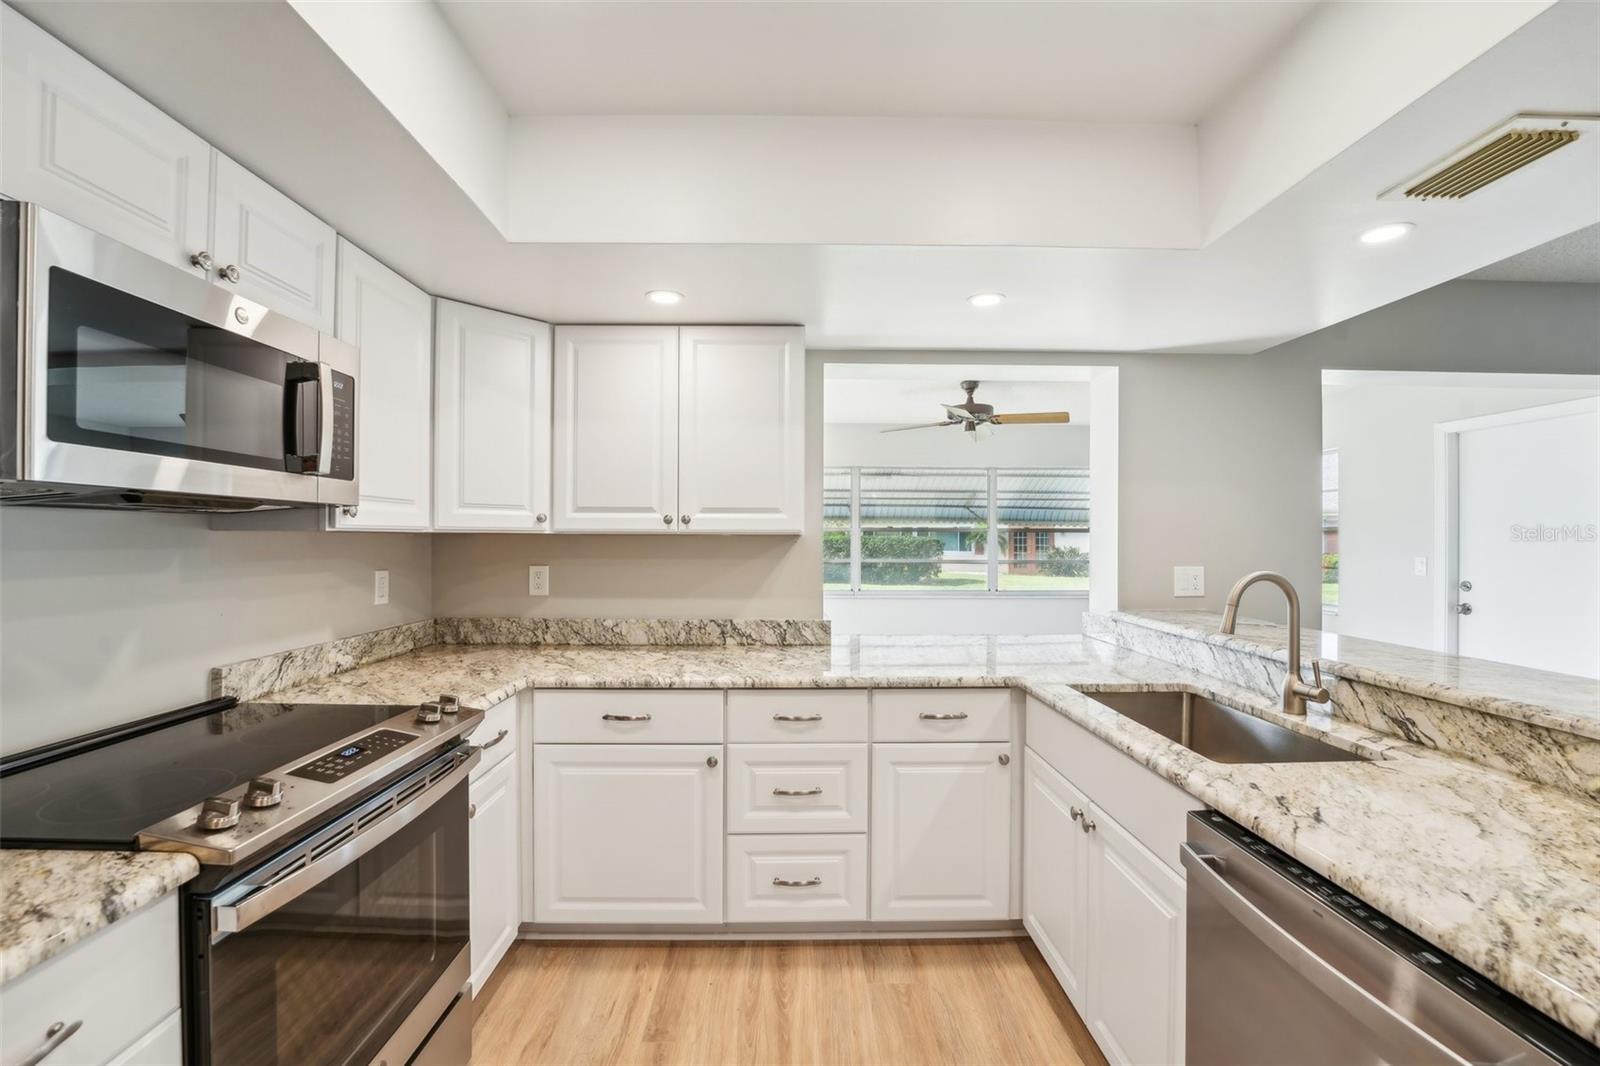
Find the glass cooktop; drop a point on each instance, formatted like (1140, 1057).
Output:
(102, 797)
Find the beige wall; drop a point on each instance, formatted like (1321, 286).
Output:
(109, 616)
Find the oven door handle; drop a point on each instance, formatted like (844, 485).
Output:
(234, 917)
(1205, 875)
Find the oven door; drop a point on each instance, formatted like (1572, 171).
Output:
(138, 375)
(346, 948)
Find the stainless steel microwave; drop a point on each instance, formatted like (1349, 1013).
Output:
(127, 382)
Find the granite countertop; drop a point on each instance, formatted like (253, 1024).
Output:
(1564, 702)
(50, 900)
(1499, 872)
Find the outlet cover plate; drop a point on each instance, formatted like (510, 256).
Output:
(380, 587)
(538, 581)
(1188, 581)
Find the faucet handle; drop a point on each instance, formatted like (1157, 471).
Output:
(1318, 693)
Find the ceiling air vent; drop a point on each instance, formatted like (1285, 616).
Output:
(1503, 150)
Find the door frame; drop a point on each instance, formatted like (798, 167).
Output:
(1447, 502)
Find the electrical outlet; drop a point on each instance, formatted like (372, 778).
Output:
(1188, 581)
(538, 581)
(1419, 566)
(380, 587)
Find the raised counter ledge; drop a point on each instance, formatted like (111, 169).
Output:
(1501, 873)
(50, 900)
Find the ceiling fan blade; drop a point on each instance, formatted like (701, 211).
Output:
(924, 425)
(1032, 418)
(959, 414)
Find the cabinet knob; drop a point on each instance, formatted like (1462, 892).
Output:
(472, 810)
(666, 520)
(1005, 760)
(540, 517)
(1077, 812)
(203, 260)
(684, 519)
(350, 510)
(1087, 825)
(229, 273)
(711, 761)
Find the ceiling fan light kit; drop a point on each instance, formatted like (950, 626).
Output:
(972, 414)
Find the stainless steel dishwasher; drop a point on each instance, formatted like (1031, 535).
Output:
(1285, 967)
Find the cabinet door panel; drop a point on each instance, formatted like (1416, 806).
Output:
(491, 420)
(1135, 963)
(390, 322)
(78, 142)
(616, 429)
(284, 255)
(941, 832)
(627, 833)
(495, 890)
(1055, 882)
(741, 428)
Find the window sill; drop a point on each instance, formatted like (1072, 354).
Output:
(956, 594)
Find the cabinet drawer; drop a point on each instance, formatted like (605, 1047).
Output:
(497, 736)
(757, 717)
(120, 983)
(911, 715)
(627, 716)
(797, 788)
(797, 878)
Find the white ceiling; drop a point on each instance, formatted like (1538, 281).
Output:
(903, 394)
(1107, 62)
(1575, 257)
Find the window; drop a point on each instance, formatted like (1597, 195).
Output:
(1330, 531)
(926, 529)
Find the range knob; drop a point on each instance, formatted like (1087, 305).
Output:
(450, 704)
(428, 713)
(218, 812)
(264, 792)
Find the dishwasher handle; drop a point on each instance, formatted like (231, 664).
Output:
(1205, 874)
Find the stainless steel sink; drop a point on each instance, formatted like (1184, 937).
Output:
(1217, 732)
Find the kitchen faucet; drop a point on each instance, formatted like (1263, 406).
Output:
(1295, 689)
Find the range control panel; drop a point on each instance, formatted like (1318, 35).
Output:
(336, 764)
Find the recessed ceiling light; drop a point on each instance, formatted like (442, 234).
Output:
(1391, 231)
(664, 297)
(986, 299)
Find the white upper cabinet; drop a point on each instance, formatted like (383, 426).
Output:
(270, 249)
(390, 322)
(667, 430)
(616, 429)
(741, 429)
(80, 143)
(491, 420)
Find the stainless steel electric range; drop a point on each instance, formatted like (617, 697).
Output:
(329, 922)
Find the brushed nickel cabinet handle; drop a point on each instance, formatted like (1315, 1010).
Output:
(58, 1033)
(624, 717)
(797, 718)
(666, 520)
(203, 260)
(497, 739)
(954, 716)
(683, 518)
(1005, 760)
(711, 761)
(810, 882)
(1077, 812)
(1087, 825)
(814, 790)
(229, 273)
(472, 811)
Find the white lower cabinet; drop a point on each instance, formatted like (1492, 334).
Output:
(1134, 974)
(627, 833)
(1107, 915)
(1055, 880)
(494, 839)
(797, 878)
(941, 832)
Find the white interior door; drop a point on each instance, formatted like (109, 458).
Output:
(741, 429)
(616, 429)
(1528, 507)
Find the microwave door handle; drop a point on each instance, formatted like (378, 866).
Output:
(302, 418)
(234, 917)
(325, 418)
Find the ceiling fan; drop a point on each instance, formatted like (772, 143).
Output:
(972, 414)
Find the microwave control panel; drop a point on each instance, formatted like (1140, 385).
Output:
(343, 466)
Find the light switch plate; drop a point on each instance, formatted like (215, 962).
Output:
(1419, 566)
(1188, 581)
(538, 581)
(380, 587)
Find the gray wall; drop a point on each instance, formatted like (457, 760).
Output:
(107, 617)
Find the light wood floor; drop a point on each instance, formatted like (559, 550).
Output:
(881, 1002)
